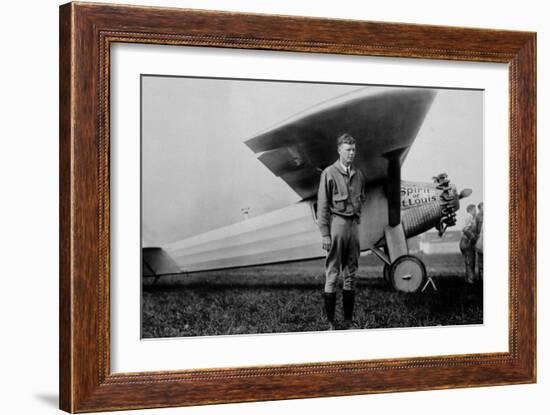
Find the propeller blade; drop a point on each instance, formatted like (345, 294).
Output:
(465, 193)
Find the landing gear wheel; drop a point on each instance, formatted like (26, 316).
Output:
(407, 274)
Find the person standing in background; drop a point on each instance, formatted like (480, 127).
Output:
(479, 242)
(468, 243)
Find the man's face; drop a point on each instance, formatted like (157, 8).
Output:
(347, 153)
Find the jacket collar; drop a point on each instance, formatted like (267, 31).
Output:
(339, 167)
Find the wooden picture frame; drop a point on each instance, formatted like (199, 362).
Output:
(86, 33)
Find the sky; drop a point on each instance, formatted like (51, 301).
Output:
(198, 175)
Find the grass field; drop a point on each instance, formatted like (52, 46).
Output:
(288, 298)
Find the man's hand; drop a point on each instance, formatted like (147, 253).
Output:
(326, 243)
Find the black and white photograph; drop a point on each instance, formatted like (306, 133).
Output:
(275, 206)
(162, 246)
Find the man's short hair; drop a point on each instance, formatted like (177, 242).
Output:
(480, 205)
(470, 208)
(345, 139)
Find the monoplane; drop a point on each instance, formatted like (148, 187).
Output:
(297, 150)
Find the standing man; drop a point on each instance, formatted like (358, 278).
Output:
(468, 244)
(339, 202)
(479, 242)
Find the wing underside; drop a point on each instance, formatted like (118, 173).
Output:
(298, 149)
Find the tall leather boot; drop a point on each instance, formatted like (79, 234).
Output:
(348, 299)
(330, 306)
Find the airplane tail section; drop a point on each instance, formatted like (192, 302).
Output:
(156, 263)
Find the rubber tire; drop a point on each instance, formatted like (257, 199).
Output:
(412, 266)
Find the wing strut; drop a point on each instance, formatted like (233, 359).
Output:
(393, 185)
(395, 236)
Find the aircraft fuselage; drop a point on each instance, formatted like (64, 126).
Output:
(291, 233)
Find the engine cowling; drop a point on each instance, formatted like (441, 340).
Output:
(430, 205)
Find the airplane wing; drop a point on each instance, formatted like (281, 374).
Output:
(298, 149)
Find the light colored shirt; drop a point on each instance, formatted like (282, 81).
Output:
(469, 228)
(346, 168)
